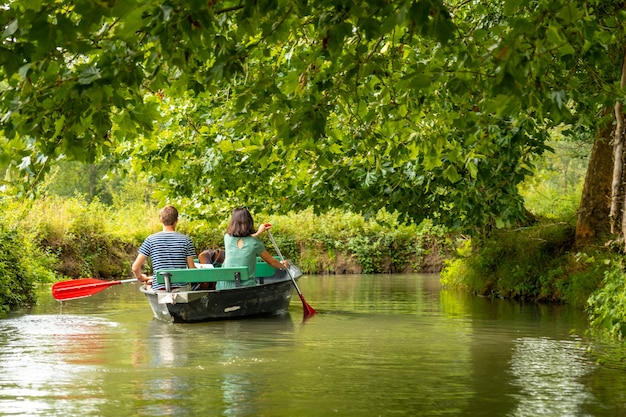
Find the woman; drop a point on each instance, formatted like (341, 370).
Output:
(242, 247)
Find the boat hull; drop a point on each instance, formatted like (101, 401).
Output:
(271, 297)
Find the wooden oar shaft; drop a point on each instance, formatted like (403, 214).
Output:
(308, 310)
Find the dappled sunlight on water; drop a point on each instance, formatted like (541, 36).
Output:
(47, 359)
(549, 375)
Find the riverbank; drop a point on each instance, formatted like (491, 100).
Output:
(539, 263)
(342, 243)
(53, 239)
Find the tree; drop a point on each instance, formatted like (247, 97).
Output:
(593, 215)
(618, 193)
(435, 110)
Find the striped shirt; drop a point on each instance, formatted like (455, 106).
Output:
(167, 250)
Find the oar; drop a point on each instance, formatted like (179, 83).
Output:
(84, 287)
(308, 310)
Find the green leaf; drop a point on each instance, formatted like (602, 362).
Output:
(225, 146)
(431, 162)
(451, 174)
(132, 21)
(510, 6)
(58, 126)
(89, 75)
(472, 168)
(23, 71)
(10, 29)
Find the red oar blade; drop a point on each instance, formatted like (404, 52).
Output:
(308, 310)
(79, 288)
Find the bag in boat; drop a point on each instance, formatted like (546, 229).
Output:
(213, 257)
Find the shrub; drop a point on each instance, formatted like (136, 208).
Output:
(20, 268)
(607, 305)
(534, 263)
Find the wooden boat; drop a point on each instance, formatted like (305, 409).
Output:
(270, 296)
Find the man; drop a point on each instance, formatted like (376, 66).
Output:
(167, 249)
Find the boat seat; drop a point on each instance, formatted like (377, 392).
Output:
(214, 275)
(263, 269)
(184, 275)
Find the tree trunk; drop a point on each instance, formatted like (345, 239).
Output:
(595, 203)
(617, 185)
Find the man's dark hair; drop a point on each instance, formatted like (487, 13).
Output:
(168, 215)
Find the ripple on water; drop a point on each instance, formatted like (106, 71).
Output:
(35, 349)
(549, 376)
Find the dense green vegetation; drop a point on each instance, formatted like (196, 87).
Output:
(537, 263)
(436, 110)
(540, 262)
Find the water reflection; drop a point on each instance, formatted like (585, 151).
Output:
(239, 395)
(212, 361)
(45, 358)
(380, 345)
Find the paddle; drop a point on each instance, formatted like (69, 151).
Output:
(308, 310)
(84, 287)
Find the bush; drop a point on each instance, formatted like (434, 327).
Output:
(78, 239)
(20, 268)
(534, 263)
(71, 238)
(607, 305)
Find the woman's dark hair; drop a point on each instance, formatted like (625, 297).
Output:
(241, 224)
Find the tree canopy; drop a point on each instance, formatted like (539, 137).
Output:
(434, 109)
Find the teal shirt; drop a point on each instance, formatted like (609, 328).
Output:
(244, 256)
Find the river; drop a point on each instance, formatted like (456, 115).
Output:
(381, 345)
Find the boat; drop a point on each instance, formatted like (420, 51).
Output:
(270, 296)
(219, 293)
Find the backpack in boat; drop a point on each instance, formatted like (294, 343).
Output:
(214, 257)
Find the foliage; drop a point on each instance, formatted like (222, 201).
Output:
(315, 241)
(16, 288)
(91, 239)
(433, 110)
(536, 263)
(554, 191)
(54, 218)
(585, 272)
(457, 273)
(22, 265)
(87, 239)
(74, 178)
(379, 244)
(607, 305)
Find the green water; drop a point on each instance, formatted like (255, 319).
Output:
(380, 346)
